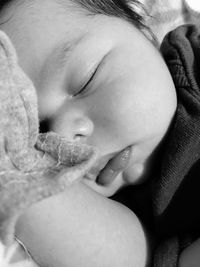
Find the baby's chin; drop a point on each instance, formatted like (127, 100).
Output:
(132, 175)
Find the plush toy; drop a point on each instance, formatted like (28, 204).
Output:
(33, 166)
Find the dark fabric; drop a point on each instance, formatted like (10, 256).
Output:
(175, 192)
(167, 253)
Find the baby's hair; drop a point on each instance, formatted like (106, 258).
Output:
(117, 8)
(130, 10)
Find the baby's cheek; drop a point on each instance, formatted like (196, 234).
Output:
(119, 110)
(112, 113)
(49, 103)
(133, 174)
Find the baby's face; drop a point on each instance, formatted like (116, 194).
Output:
(100, 81)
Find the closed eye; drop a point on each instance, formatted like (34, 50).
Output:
(85, 86)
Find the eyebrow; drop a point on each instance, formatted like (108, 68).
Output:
(62, 52)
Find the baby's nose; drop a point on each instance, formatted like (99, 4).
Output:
(74, 127)
(82, 128)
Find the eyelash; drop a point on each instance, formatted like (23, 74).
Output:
(83, 89)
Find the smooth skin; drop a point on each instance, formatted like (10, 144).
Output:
(83, 228)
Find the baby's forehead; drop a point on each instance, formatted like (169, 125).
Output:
(127, 10)
(131, 11)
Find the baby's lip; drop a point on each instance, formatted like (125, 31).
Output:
(98, 167)
(109, 167)
(114, 166)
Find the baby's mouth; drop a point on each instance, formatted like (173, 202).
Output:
(111, 168)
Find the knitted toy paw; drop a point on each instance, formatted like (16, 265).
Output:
(33, 166)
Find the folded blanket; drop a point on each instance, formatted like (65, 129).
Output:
(33, 166)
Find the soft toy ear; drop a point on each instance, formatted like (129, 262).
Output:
(7, 52)
(28, 95)
(7, 65)
(19, 111)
